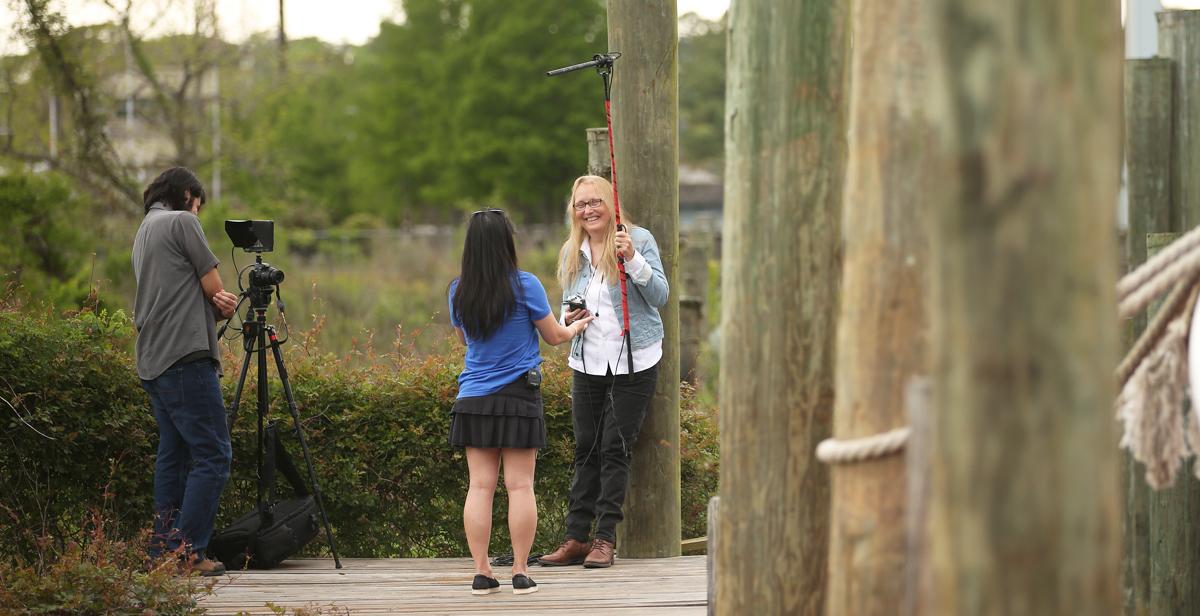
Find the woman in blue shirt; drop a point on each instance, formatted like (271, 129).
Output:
(498, 312)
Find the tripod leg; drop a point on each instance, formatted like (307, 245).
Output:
(312, 476)
(237, 393)
(264, 401)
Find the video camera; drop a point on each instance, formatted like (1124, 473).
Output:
(257, 236)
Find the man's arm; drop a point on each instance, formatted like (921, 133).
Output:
(214, 291)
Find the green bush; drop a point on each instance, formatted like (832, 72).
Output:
(79, 434)
(97, 576)
(77, 431)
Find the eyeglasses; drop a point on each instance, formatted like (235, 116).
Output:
(492, 210)
(590, 203)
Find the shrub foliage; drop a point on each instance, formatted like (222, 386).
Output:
(78, 435)
(98, 576)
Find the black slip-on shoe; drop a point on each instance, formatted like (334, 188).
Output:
(523, 585)
(484, 585)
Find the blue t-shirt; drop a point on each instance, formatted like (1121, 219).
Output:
(511, 350)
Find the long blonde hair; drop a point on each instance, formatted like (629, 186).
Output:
(569, 262)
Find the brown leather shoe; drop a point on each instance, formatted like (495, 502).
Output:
(601, 556)
(570, 552)
(205, 567)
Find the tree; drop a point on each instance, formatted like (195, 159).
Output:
(42, 250)
(82, 148)
(78, 71)
(701, 90)
(459, 108)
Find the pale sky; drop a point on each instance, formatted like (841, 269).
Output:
(338, 21)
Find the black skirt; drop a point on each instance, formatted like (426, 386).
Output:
(511, 418)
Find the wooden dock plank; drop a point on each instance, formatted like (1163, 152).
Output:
(442, 586)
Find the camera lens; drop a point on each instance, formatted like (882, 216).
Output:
(265, 276)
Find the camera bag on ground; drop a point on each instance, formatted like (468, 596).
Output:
(276, 529)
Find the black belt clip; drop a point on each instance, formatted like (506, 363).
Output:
(534, 377)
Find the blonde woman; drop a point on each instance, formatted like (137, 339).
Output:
(608, 399)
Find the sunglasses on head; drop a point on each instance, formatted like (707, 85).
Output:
(492, 210)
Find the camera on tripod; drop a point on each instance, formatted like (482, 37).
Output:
(277, 528)
(257, 236)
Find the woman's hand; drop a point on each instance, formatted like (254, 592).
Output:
(574, 315)
(579, 325)
(554, 333)
(624, 245)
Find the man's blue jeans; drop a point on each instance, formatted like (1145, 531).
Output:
(193, 456)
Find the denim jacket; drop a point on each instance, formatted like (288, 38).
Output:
(645, 324)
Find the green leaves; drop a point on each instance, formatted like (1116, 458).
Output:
(42, 247)
(447, 109)
(702, 90)
(80, 435)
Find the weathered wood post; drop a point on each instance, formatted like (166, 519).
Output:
(599, 161)
(1179, 40)
(785, 148)
(710, 560)
(1174, 536)
(1148, 96)
(693, 275)
(1024, 496)
(646, 123)
(882, 325)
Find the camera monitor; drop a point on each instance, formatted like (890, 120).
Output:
(252, 235)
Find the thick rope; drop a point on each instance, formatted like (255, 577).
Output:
(833, 451)
(1177, 266)
(1157, 283)
(1170, 309)
(1138, 277)
(1151, 410)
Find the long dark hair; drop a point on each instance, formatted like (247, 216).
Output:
(169, 188)
(485, 295)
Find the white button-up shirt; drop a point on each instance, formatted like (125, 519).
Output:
(603, 343)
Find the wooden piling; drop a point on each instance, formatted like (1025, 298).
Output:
(1024, 490)
(645, 100)
(693, 287)
(785, 149)
(599, 160)
(881, 342)
(1148, 119)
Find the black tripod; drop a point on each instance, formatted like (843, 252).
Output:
(255, 336)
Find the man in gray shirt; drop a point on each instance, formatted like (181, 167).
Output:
(179, 299)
